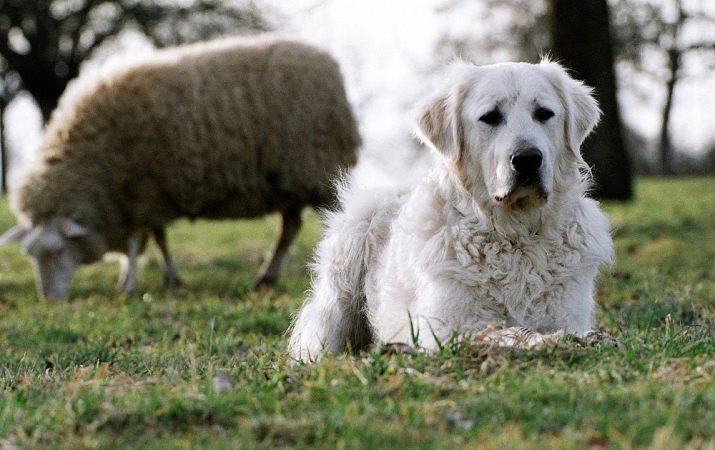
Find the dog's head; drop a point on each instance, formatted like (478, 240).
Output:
(512, 131)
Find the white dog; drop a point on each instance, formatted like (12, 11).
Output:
(501, 231)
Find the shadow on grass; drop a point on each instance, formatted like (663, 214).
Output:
(12, 289)
(655, 312)
(221, 277)
(674, 228)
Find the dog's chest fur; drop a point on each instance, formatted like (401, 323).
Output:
(526, 275)
(539, 280)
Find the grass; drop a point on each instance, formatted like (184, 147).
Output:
(105, 370)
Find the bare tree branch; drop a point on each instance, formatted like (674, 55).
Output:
(58, 42)
(80, 18)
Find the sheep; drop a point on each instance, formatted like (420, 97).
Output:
(232, 128)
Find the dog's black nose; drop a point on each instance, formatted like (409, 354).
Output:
(526, 160)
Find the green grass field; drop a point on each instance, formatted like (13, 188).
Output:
(105, 370)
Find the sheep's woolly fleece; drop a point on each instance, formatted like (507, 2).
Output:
(237, 127)
(200, 130)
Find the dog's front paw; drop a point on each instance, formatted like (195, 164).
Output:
(397, 348)
(518, 337)
(596, 337)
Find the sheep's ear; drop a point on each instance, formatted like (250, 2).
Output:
(72, 229)
(439, 123)
(582, 112)
(14, 234)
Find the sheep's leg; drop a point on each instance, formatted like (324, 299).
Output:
(127, 279)
(171, 276)
(272, 269)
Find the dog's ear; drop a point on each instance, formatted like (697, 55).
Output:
(582, 112)
(439, 123)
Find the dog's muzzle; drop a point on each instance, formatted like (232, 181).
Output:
(526, 164)
(526, 179)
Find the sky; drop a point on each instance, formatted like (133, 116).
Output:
(390, 44)
(384, 48)
(386, 52)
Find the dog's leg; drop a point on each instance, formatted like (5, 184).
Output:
(333, 316)
(272, 268)
(437, 315)
(322, 325)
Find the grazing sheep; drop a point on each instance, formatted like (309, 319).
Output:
(231, 128)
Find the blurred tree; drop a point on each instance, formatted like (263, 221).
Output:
(44, 42)
(9, 88)
(510, 30)
(581, 40)
(665, 32)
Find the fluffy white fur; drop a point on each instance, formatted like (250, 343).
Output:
(471, 246)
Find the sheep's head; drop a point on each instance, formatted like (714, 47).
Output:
(57, 246)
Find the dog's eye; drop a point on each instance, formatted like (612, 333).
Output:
(493, 118)
(543, 114)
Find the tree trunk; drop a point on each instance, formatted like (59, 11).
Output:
(3, 149)
(667, 159)
(46, 87)
(582, 42)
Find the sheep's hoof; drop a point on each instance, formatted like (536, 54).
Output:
(126, 291)
(125, 287)
(173, 281)
(264, 282)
